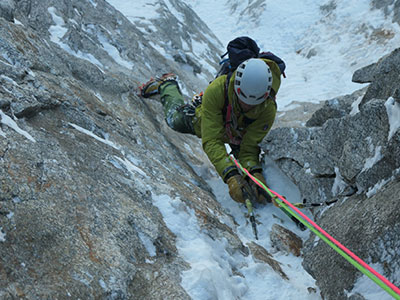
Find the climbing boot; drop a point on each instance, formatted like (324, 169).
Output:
(152, 87)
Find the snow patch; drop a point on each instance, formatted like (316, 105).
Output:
(131, 167)
(17, 22)
(148, 244)
(6, 120)
(372, 191)
(354, 106)
(321, 49)
(16, 200)
(93, 3)
(2, 235)
(339, 184)
(91, 134)
(369, 162)
(210, 276)
(57, 33)
(114, 52)
(8, 79)
(393, 112)
(369, 291)
(58, 30)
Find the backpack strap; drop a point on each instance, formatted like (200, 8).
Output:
(227, 113)
(226, 98)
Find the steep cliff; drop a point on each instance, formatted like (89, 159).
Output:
(82, 158)
(350, 152)
(94, 184)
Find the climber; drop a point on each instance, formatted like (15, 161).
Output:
(241, 117)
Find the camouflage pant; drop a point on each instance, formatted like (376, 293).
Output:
(173, 103)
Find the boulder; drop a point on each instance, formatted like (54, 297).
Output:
(285, 240)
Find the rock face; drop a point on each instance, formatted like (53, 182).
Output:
(176, 29)
(383, 76)
(350, 152)
(6, 10)
(369, 228)
(262, 255)
(334, 159)
(82, 159)
(335, 108)
(284, 240)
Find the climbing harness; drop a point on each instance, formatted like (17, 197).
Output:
(231, 122)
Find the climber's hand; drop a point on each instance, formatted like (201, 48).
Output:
(236, 184)
(261, 195)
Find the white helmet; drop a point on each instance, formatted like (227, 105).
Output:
(253, 81)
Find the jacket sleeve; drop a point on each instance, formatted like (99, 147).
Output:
(255, 132)
(212, 127)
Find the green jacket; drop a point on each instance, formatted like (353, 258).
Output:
(252, 126)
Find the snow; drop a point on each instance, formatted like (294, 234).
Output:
(322, 49)
(17, 22)
(370, 291)
(137, 9)
(338, 185)
(103, 284)
(130, 166)
(8, 79)
(211, 276)
(16, 200)
(393, 112)
(148, 244)
(342, 41)
(142, 12)
(161, 50)
(93, 3)
(2, 133)
(2, 235)
(372, 191)
(128, 162)
(57, 33)
(176, 13)
(91, 134)
(354, 106)
(369, 162)
(6, 120)
(113, 52)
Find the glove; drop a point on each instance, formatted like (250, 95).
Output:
(235, 184)
(261, 195)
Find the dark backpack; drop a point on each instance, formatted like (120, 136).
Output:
(241, 49)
